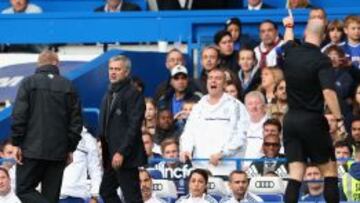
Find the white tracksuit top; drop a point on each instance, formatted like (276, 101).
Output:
(216, 128)
(86, 160)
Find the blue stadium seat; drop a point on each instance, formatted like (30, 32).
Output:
(217, 197)
(271, 197)
(169, 199)
(155, 174)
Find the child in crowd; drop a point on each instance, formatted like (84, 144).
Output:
(7, 154)
(352, 45)
(335, 34)
(181, 117)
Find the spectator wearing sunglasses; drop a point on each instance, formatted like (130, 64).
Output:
(271, 147)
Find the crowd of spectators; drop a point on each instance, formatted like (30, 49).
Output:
(194, 128)
(254, 91)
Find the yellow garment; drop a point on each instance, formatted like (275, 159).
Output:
(351, 187)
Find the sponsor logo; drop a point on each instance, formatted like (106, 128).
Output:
(158, 187)
(10, 81)
(264, 184)
(174, 173)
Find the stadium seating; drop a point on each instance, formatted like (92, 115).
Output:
(216, 187)
(271, 197)
(154, 173)
(165, 189)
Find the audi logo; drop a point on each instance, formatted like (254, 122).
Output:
(157, 187)
(264, 184)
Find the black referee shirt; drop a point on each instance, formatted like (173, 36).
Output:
(307, 72)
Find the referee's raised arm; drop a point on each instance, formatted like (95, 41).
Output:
(288, 23)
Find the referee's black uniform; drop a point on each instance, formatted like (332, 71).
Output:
(306, 131)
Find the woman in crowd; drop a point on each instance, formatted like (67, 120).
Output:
(231, 77)
(270, 76)
(234, 90)
(280, 107)
(198, 181)
(149, 123)
(228, 56)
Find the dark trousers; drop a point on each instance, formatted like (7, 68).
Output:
(129, 182)
(35, 171)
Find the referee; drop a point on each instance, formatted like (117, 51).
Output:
(309, 84)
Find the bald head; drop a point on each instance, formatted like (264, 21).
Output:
(314, 31)
(48, 57)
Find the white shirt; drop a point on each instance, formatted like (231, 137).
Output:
(183, 4)
(10, 198)
(118, 8)
(248, 197)
(190, 199)
(86, 160)
(216, 128)
(271, 57)
(154, 199)
(12, 174)
(255, 8)
(254, 140)
(31, 8)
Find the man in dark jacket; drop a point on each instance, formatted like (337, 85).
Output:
(45, 131)
(117, 6)
(122, 113)
(178, 92)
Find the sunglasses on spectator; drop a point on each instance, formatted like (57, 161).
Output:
(274, 144)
